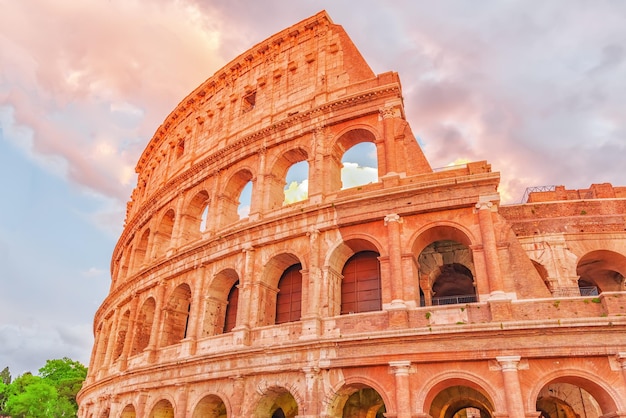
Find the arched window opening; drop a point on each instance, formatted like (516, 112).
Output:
(164, 233)
(245, 200)
(601, 271)
(453, 285)
(122, 329)
(289, 297)
(230, 319)
(204, 218)
(446, 274)
(210, 406)
(141, 250)
(461, 401)
(359, 165)
(360, 287)
(277, 403)
(128, 412)
(557, 400)
(177, 316)
(194, 218)
(163, 409)
(297, 183)
(365, 402)
(143, 327)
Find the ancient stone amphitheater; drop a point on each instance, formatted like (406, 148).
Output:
(414, 295)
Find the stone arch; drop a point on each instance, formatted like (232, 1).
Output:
(128, 412)
(336, 261)
(218, 301)
(176, 315)
(543, 273)
(164, 408)
(229, 199)
(604, 269)
(192, 217)
(603, 394)
(163, 234)
(358, 397)
(275, 183)
(277, 402)
(211, 406)
(141, 250)
(345, 140)
(143, 326)
(444, 395)
(444, 266)
(268, 293)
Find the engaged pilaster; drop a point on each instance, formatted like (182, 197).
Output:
(512, 390)
(401, 370)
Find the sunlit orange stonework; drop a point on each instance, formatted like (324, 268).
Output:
(413, 296)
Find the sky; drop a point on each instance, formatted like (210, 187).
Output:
(538, 89)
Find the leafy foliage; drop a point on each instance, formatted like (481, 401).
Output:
(50, 394)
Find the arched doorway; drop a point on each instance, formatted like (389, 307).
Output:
(210, 406)
(358, 401)
(460, 401)
(278, 402)
(601, 271)
(565, 400)
(446, 274)
(163, 409)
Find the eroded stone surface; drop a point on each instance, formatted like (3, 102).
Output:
(411, 296)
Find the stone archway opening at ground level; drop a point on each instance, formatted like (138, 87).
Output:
(461, 402)
(565, 400)
(163, 409)
(278, 402)
(358, 401)
(210, 406)
(128, 412)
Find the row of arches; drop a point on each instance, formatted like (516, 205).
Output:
(244, 193)
(193, 307)
(463, 396)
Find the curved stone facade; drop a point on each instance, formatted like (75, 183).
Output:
(414, 295)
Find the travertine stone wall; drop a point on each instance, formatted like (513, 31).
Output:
(457, 304)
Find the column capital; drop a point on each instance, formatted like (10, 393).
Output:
(389, 112)
(392, 217)
(621, 359)
(483, 205)
(508, 363)
(247, 249)
(402, 367)
(313, 233)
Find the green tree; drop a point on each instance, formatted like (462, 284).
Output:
(66, 375)
(51, 394)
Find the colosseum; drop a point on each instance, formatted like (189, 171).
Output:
(411, 294)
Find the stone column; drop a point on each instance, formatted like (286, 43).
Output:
(128, 340)
(181, 402)
(177, 229)
(244, 316)
(259, 188)
(392, 222)
(312, 393)
(311, 324)
(492, 264)
(388, 115)
(156, 324)
(621, 359)
(193, 329)
(512, 389)
(401, 370)
(112, 338)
